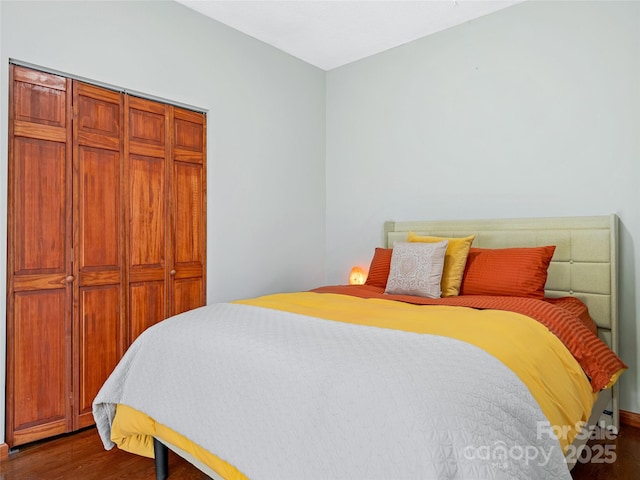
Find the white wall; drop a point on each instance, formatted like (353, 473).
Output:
(530, 111)
(265, 138)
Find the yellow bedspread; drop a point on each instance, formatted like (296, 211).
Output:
(532, 352)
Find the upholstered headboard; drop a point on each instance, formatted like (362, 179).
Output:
(584, 264)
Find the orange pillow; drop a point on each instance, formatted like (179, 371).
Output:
(379, 268)
(514, 272)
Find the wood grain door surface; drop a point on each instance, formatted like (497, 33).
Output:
(106, 226)
(99, 330)
(39, 261)
(187, 273)
(147, 147)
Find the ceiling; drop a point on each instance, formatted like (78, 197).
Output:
(329, 34)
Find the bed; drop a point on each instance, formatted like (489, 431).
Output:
(376, 382)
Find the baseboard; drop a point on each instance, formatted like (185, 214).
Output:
(631, 419)
(4, 451)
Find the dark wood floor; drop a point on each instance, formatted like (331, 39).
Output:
(626, 447)
(80, 456)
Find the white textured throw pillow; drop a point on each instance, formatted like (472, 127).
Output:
(416, 269)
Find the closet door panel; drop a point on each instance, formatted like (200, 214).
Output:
(188, 210)
(40, 203)
(40, 365)
(146, 306)
(187, 294)
(188, 136)
(98, 173)
(99, 209)
(147, 213)
(100, 343)
(147, 123)
(39, 98)
(40, 194)
(98, 113)
(99, 322)
(146, 147)
(188, 252)
(39, 263)
(147, 233)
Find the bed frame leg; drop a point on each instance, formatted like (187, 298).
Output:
(161, 453)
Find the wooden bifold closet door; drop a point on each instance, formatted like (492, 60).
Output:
(98, 321)
(39, 262)
(106, 237)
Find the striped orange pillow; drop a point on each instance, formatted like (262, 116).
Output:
(514, 272)
(379, 268)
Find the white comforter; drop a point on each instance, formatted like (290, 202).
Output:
(285, 396)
